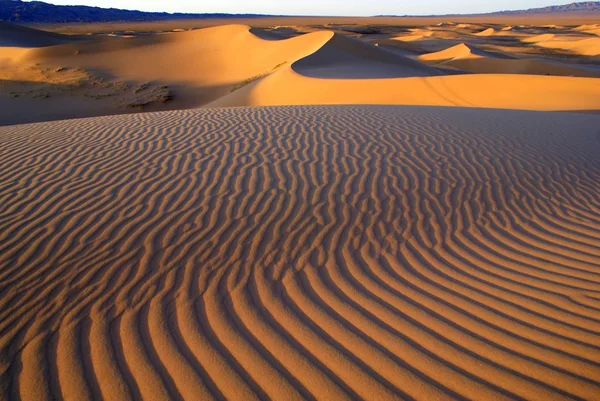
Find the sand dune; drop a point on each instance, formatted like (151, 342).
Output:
(232, 66)
(311, 253)
(417, 34)
(472, 59)
(289, 87)
(584, 47)
(343, 57)
(586, 27)
(208, 57)
(460, 51)
(593, 29)
(539, 38)
(486, 32)
(196, 66)
(20, 36)
(308, 251)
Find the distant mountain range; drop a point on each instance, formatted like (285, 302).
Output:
(24, 12)
(18, 11)
(581, 7)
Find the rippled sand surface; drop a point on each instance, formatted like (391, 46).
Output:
(304, 252)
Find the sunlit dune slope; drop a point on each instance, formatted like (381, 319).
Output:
(219, 56)
(458, 51)
(486, 32)
(198, 66)
(472, 59)
(527, 92)
(301, 253)
(191, 68)
(231, 66)
(585, 46)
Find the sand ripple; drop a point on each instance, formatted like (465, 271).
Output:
(345, 252)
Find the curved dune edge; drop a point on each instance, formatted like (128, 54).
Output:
(301, 253)
(231, 66)
(524, 92)
(342, 57)
(220, 55)
(12, 35)
(486, 32)
(585, 46)
(472, 59)
(460, 50)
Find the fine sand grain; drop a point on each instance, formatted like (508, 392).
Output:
(301, 253)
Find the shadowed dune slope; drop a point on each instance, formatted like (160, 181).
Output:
(342, 57)
(20, 36)
(301, 253)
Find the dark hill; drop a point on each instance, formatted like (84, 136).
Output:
(581, 7)
(17, 11)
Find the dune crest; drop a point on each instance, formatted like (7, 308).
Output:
(235, 65)
(486, 32)
(459, 51)
(287, 87)
(343, 57)
(584, 47)
(469, 58)
(12, 35)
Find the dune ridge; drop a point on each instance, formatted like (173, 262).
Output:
(486, 32)
(460, 50)
(469, 58)
(305, 252)
(12, 35)
(290, 87)
(235, 65)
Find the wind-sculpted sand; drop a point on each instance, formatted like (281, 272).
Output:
(472, 59)
(287, 253)
(236, 65)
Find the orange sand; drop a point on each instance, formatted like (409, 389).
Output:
(336, 243)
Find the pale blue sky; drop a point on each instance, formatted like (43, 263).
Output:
(319, 7)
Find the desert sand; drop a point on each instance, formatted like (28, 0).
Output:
(236, 65)
(341, 252)
(301, 212)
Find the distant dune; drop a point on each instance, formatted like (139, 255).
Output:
(20, 36)
(234, 65)
(301, 253)
(289, 87)
(470, 58)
